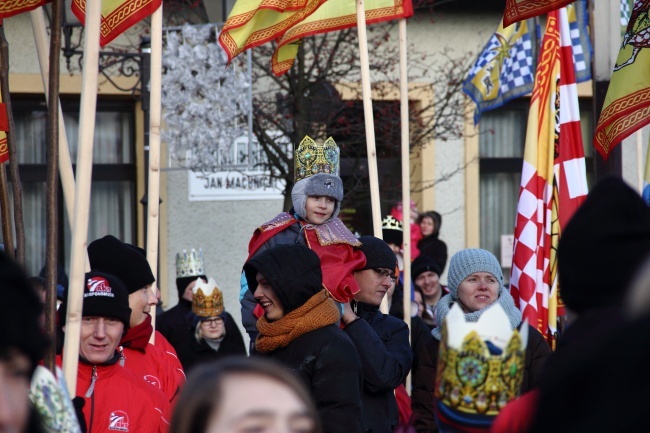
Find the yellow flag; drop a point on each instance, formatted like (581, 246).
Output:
(331, 16)
(255, 22)
(117, 15)
(627, 104)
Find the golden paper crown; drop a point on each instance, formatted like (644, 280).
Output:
(473, 377)
(391, 223)
(313, 158)
(207, 299)
(189, 264)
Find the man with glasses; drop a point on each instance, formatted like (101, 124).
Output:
(382, 341)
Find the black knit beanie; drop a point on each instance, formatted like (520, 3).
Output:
(104, 296)
(127, 262)
(292, 270)
(378, 253)
(20, 312)
(423, 263)
(183, 282)
(603, 246)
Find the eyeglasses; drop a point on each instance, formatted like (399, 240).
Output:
(383, 274)
(209, 322)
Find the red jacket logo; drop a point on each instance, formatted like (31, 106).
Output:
(153, 380)
(98, 284)
(119, 421)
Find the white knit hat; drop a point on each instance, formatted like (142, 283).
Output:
(466, 262)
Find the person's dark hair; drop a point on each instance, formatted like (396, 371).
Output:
(435, 217)
(425, 312)
(203, 394)
(20, 312)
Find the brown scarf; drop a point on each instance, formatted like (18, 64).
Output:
(319, 311)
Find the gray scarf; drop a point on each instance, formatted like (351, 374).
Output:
(506, 301)
(215, 343)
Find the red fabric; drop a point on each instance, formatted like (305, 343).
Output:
(338, 261)
(15, 7)
(150, 362)
(518, 415)
(416, 234)
(138, 336)
(403, 405)
(161, 343)
(120, 400)
(517, 10)
(120, 16)
(4, 119)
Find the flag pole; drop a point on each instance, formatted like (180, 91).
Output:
(65, 163)
(369, 121)
(153, 193)
(406, 180)
(82, 194)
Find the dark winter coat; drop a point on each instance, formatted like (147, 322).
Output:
(382, 342)
(324, 358)
(537, 351)
(435, 248)
(193, 353)
(175, 325)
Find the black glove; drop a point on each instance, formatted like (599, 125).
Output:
(78, 403)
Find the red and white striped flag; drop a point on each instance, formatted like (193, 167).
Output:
(553, 182)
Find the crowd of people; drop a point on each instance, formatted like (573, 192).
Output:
(323, 357)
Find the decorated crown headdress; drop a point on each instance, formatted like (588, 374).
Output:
(313, 158)
(391, 223)
(480, 368)
(207, 299)
(189, 264)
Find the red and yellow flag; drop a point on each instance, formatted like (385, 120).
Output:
(553, 182)
(255, 22)
(10, 8)
(517, 10)
(331, 16)
(4, 128)
(627, 103)
(117, 15)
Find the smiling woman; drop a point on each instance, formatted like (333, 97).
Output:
(475, 282)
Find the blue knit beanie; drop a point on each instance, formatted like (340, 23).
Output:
(468, 261)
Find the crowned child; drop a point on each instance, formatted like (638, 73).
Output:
(312, 221)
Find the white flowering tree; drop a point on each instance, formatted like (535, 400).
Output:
(205, 102)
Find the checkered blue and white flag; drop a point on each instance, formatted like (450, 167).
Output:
(579, 29)
(505, 68)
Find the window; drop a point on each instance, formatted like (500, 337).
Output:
(501, 150)
(113, 201)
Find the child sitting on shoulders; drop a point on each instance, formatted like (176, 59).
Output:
(313, 221)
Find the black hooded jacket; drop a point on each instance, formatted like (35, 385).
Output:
(325, 358)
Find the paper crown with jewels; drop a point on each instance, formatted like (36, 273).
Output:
(313, 158)
(207, 299)
(480, 369)
(189, 264)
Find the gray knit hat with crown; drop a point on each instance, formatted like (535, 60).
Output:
(321, 184)
(468, 261)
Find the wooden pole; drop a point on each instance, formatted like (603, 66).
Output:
(82, 195)
(52, 186)
(65, 163)
(406, 179)
(153, 192)
(11, 147)
(369, 121)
